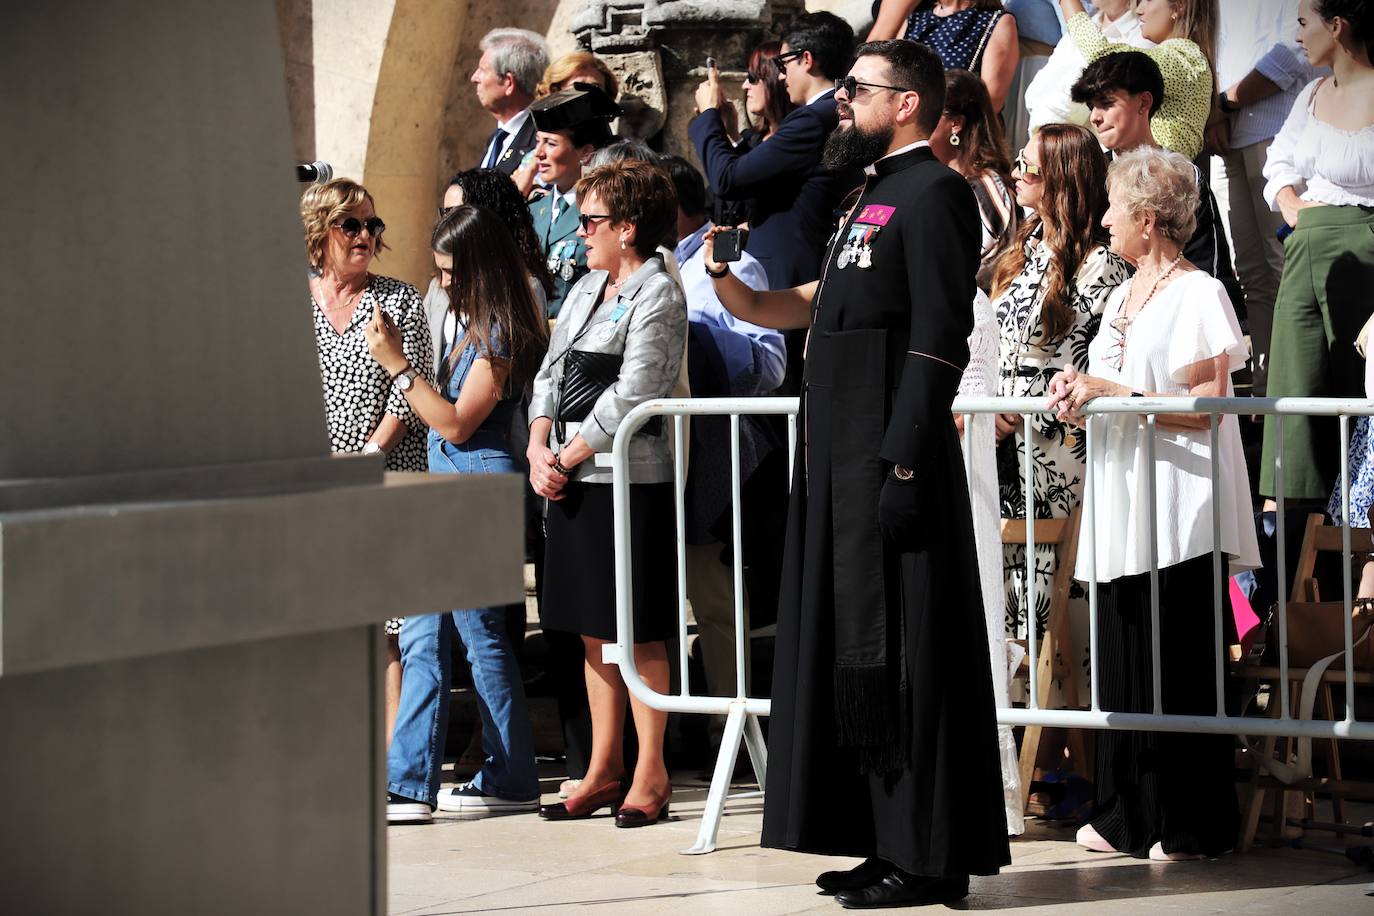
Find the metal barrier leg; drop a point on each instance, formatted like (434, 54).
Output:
(720, 781)
(758, 749)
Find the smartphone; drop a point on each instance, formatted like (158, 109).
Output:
(710, 63)
(729, 245)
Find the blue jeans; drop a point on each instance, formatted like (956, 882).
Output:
(417, 744)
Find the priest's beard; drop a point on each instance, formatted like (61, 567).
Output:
(851, 146)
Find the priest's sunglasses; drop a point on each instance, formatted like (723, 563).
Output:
(850, 86)
(352, 226)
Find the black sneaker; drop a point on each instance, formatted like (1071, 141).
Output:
(402, 810)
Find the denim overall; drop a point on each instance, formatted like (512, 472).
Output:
(417, 745)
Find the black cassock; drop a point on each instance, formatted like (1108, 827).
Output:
(888, 343)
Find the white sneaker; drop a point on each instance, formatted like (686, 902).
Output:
(402, 810)
(1092, 841)
(468, 799)
(1157, 854)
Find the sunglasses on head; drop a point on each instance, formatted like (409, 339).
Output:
(782, 60)
(1025, 168)
(352, 226)
(850, 86)
(587, 220)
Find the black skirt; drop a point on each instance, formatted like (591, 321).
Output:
(579, 562)
(1168, 787)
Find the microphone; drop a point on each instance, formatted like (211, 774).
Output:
(317, 172)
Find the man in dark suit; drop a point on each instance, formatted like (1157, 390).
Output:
(794, 196)
(882, 687)
(512, 63)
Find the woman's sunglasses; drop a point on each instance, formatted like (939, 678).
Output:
(752, 78)
(352, 226)
(1025, 168)
(587, 220)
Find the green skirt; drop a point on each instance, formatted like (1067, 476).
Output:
(1325, 297)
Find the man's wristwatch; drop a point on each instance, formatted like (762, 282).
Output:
(405, 380)
(1226, 104)
(724, 270)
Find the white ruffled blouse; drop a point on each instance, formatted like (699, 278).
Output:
(1323, 163)
(1188, 321)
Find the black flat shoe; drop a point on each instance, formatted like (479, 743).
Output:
(579, 807)
(869, 871)
(632, 816)
(902, 889)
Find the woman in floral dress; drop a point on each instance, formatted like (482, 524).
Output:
(1049, 290)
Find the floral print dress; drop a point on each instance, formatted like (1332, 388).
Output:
(1058, 451)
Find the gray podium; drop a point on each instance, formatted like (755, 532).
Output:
(191, 588)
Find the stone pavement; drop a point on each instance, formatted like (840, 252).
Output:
(520, 864)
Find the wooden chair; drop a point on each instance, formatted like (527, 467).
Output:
(1055, 653)
(1305, 598)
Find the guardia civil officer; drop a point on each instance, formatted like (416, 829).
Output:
(572, 124)
(882, 741)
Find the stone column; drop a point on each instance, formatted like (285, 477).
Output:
(191, 587)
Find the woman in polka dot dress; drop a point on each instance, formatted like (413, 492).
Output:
(974, 35)
(364, 408)
(1185, 32)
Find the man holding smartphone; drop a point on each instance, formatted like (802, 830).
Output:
(883, 734)
(794, 195)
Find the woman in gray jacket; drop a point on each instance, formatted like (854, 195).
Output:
(618, 342)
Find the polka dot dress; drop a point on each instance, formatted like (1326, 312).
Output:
(958, 38)
(358, 393)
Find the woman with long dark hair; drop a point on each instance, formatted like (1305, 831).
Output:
(494, 337)
(969, 139)
(1049, 289)
(1320, 177)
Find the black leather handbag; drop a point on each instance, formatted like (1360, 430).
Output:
(585, 376)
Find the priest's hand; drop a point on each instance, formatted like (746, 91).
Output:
(899, 510)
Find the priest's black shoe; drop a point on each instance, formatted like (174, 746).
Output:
(902, 889)
(869, 871)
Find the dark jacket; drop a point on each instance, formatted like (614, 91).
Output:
(524, 142)
(793, 196)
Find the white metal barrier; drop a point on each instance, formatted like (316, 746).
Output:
(742, 711)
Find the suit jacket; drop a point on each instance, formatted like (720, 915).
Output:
(561, 247)
(793, 196)
(524, 142)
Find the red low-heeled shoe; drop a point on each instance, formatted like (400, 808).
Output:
(642, 816)
(611, 795)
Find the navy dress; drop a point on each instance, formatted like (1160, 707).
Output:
(959, 38)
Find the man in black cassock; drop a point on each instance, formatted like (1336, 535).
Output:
(883, 740)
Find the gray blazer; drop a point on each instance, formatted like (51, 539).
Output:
(647, 322)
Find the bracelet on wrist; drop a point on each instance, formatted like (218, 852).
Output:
(724, 270)
(558, 466)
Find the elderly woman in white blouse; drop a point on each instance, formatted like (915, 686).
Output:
(1168, 332)
(1320, 176)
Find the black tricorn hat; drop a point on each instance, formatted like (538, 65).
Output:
(570, 108)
